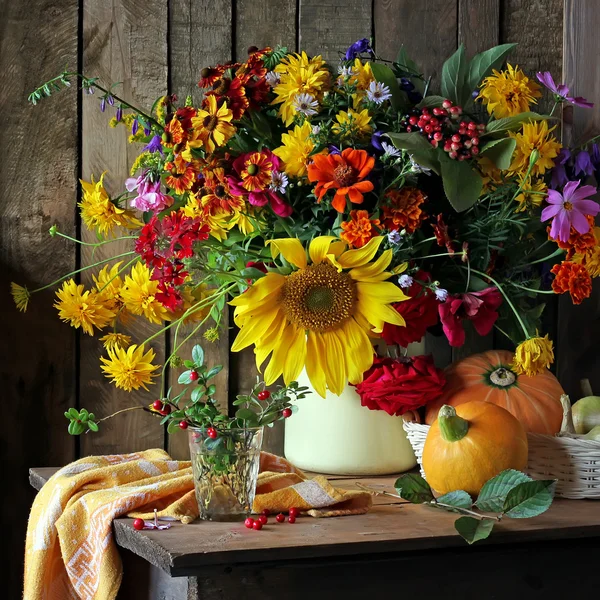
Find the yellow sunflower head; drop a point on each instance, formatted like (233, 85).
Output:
(212, 126)
(318, 317)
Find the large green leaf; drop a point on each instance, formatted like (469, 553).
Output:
(462, 184)
(473, 530)
(431, 101)
(493, 493)
(410, 67)
(454, 73)
(386, 76)
(500, 151)
(414, 488)
(458, 499)
(427, 159)
(529, 499)
(412, 142)
(514, 122)
(481, 64)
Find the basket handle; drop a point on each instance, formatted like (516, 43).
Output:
(567, 425)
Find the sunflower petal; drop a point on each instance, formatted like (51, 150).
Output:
(315, 358)
(260, 289)
(383, 292)
(254, 328)
(335, 363)
(319, 248)
(373, 271)
(291, 249)
(266, 344)
(358, 349)
(360, 256)
(296, 356)
(276, 364)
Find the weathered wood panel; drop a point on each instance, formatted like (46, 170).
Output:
(123, 42)
(38, 175)
(478, 24)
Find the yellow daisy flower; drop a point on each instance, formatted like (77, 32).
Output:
(534, 136)
(191, 297)
(82, 309)
(320, 316)
(20, 295)
(533, 356)
(352, 123)
(139, 295)
(362, 78)
(508, 93)
(244, 221)
(212, 127)
(100, 213)
(129, 369)
(297, 147)
(116, 340)
(109, 285)
(528, 200)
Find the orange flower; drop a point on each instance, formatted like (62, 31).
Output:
(218, 197)
(573, 278)
(209, 75)
(578, 243)
(343, 172)
(402, 209)
(359, 229)
(231, 91)
(181, 177)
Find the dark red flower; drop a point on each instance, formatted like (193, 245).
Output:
(478, 307)
(257, 92)
(440, 229)
(399, 385)
(169, 297)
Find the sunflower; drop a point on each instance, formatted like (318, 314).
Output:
(352, 123)
(359, 229)
(212, 126)
(533, 356)
(535, 136)
(319, 316)
(100, 213)
(297, 147)
(82, 309)
(116, 340)
(20, 295)
(139, 295)
(345, 172)
(508, 93)
(129, 369)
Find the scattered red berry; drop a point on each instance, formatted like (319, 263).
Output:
(257, 525)
(293, 512)
(280, 518)
(183, 424)
(211, 432)
(263, 519)
(194, 376)
(264, 395)
(249, 523)
(265, 512)
(157, 405)
(286, 412)
(138, 524)
(291, 519)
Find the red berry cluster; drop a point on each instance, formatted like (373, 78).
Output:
(438, 126)
(162, 407)
(263, 519)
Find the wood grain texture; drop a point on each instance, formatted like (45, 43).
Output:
(579, 326)
(263, 24)
(37, 189)
(478, 24)
(124, 41)
(427, 29)
(329, 27)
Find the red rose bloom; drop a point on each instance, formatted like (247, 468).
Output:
(400, 385)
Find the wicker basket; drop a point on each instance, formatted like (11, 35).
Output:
(574, 461)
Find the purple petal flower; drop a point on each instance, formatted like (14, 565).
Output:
(154, 145)
(583, 163)
(134, 127)
(333, 149)
(110, 100)
(595, 155)
(119, 115)
(103, 105)
(547, 80)
(563, 156)
(559, 177)
(561, 91)
(376, 140)
(359, 47)
(581, 102)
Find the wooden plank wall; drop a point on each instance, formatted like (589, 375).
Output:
(159, 46)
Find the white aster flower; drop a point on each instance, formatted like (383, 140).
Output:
(441, 294)
(391, 150)
(378, 92)
(417, 168)
(405, 281)
(279, 182)
(345, 71)
(273, 78)
(305, 104)
(394, 237)
(316, 130)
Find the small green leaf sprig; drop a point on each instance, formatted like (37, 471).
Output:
(81, 421)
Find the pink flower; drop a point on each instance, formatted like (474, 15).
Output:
(149, 197)
(570, 209)
(477, 307)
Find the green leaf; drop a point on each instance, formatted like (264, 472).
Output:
(462, 184)
(414, 488)
(514, 122)
(431, 102)
(529, 499)
(197, 393)
(427, 159)
(473, 530)
(198, 355)
(173, 426)
(214, 371)
(386, 76)
(458, 498)
(93, 426)
(73, 413)
(454, 73)
(411, 142)
(211, 389)
(500, 152)
(410, 67)
(184, 378)
(245, 414)
(482, 64)
(252, 273)
(188, 363)
(493, 493)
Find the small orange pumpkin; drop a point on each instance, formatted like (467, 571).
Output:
(534, 401)
(468, 445)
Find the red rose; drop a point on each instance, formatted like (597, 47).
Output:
(400, 385)
(420, 313)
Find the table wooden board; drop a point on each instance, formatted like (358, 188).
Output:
(396, 546)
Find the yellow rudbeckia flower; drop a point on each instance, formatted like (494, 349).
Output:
(319, 317)
(533, 356)
(129, 369)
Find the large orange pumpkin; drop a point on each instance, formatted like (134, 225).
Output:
(534, 401)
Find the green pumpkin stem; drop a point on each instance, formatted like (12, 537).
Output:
(452, 427)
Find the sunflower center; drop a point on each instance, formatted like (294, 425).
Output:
(318, 298)
(568, 206)
(344, 175)
(210, 122)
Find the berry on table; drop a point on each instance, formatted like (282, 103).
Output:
(211, 432)
(183, 424)
(157, 405)
(265, 512)
(286, 412)
(263, 519)
(138, 524)
(280, 518)
(257, 525)
(194, 376)
(264, 395)
(291, 519)
(249, 523)
(293, 512)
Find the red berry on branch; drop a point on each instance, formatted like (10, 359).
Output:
(456, 138)
(475, 150)
(166, 410)
(286, 412)
(291, 519)
(475, 141)
(472, 125)
(249, 523)
(263, 519)
(183, 424)
(257, 525)
(264, 395)
(413, 120)
(211, 432)
(194, 376)
(446, 104)
(138, 524)
(280, 518)
(157, 405)
(437, 136)
(453, 154)
(409, 129)
(454, 146)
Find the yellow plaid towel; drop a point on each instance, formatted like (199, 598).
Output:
(70, 551)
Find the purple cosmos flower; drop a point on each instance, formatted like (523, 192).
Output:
(154, 145)
(570, 209)
(559, 171)
(583, 163)
(359, 47)
(561, 91)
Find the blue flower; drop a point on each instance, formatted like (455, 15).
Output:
(376, 141)
(359, 47)
(583, 163)
(154, 145)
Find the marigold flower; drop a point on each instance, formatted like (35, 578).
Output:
(296, 149)
(578, 243)
(533, 356)
(402, 209)
(116, 340)
(20, 295)
(534, 136)
(508, 93)
(129, 369)
(359, 229)
(573, 278)
(344, 172)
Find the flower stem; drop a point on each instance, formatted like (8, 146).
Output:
(121, 411)
(72, 239)
(522, 287)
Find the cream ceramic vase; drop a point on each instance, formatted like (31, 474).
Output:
(338, 436)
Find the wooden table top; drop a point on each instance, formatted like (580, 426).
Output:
(392, 525)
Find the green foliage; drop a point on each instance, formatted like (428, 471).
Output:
(454, 72)
(462, 184)
(272, 59)
(500, 151)
(493, 493)
(81, 421)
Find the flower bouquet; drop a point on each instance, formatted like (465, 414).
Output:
(334, 206)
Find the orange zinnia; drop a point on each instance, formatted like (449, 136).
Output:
(359, 229)
(344, 172)
(573, 278)
(402, 209)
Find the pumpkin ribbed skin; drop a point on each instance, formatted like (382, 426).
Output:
(534, 401)
(495, 441)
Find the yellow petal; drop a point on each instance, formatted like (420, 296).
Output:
(378, 314)
(383, 292)
(358, 350)
(296, 356)
(291, 249)
(260, 289)
(319, 248)
(275, 367)
(263, 348)
(334, 363)
(314, 364)
(360, 256)
(373, 271)
(253, 329)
